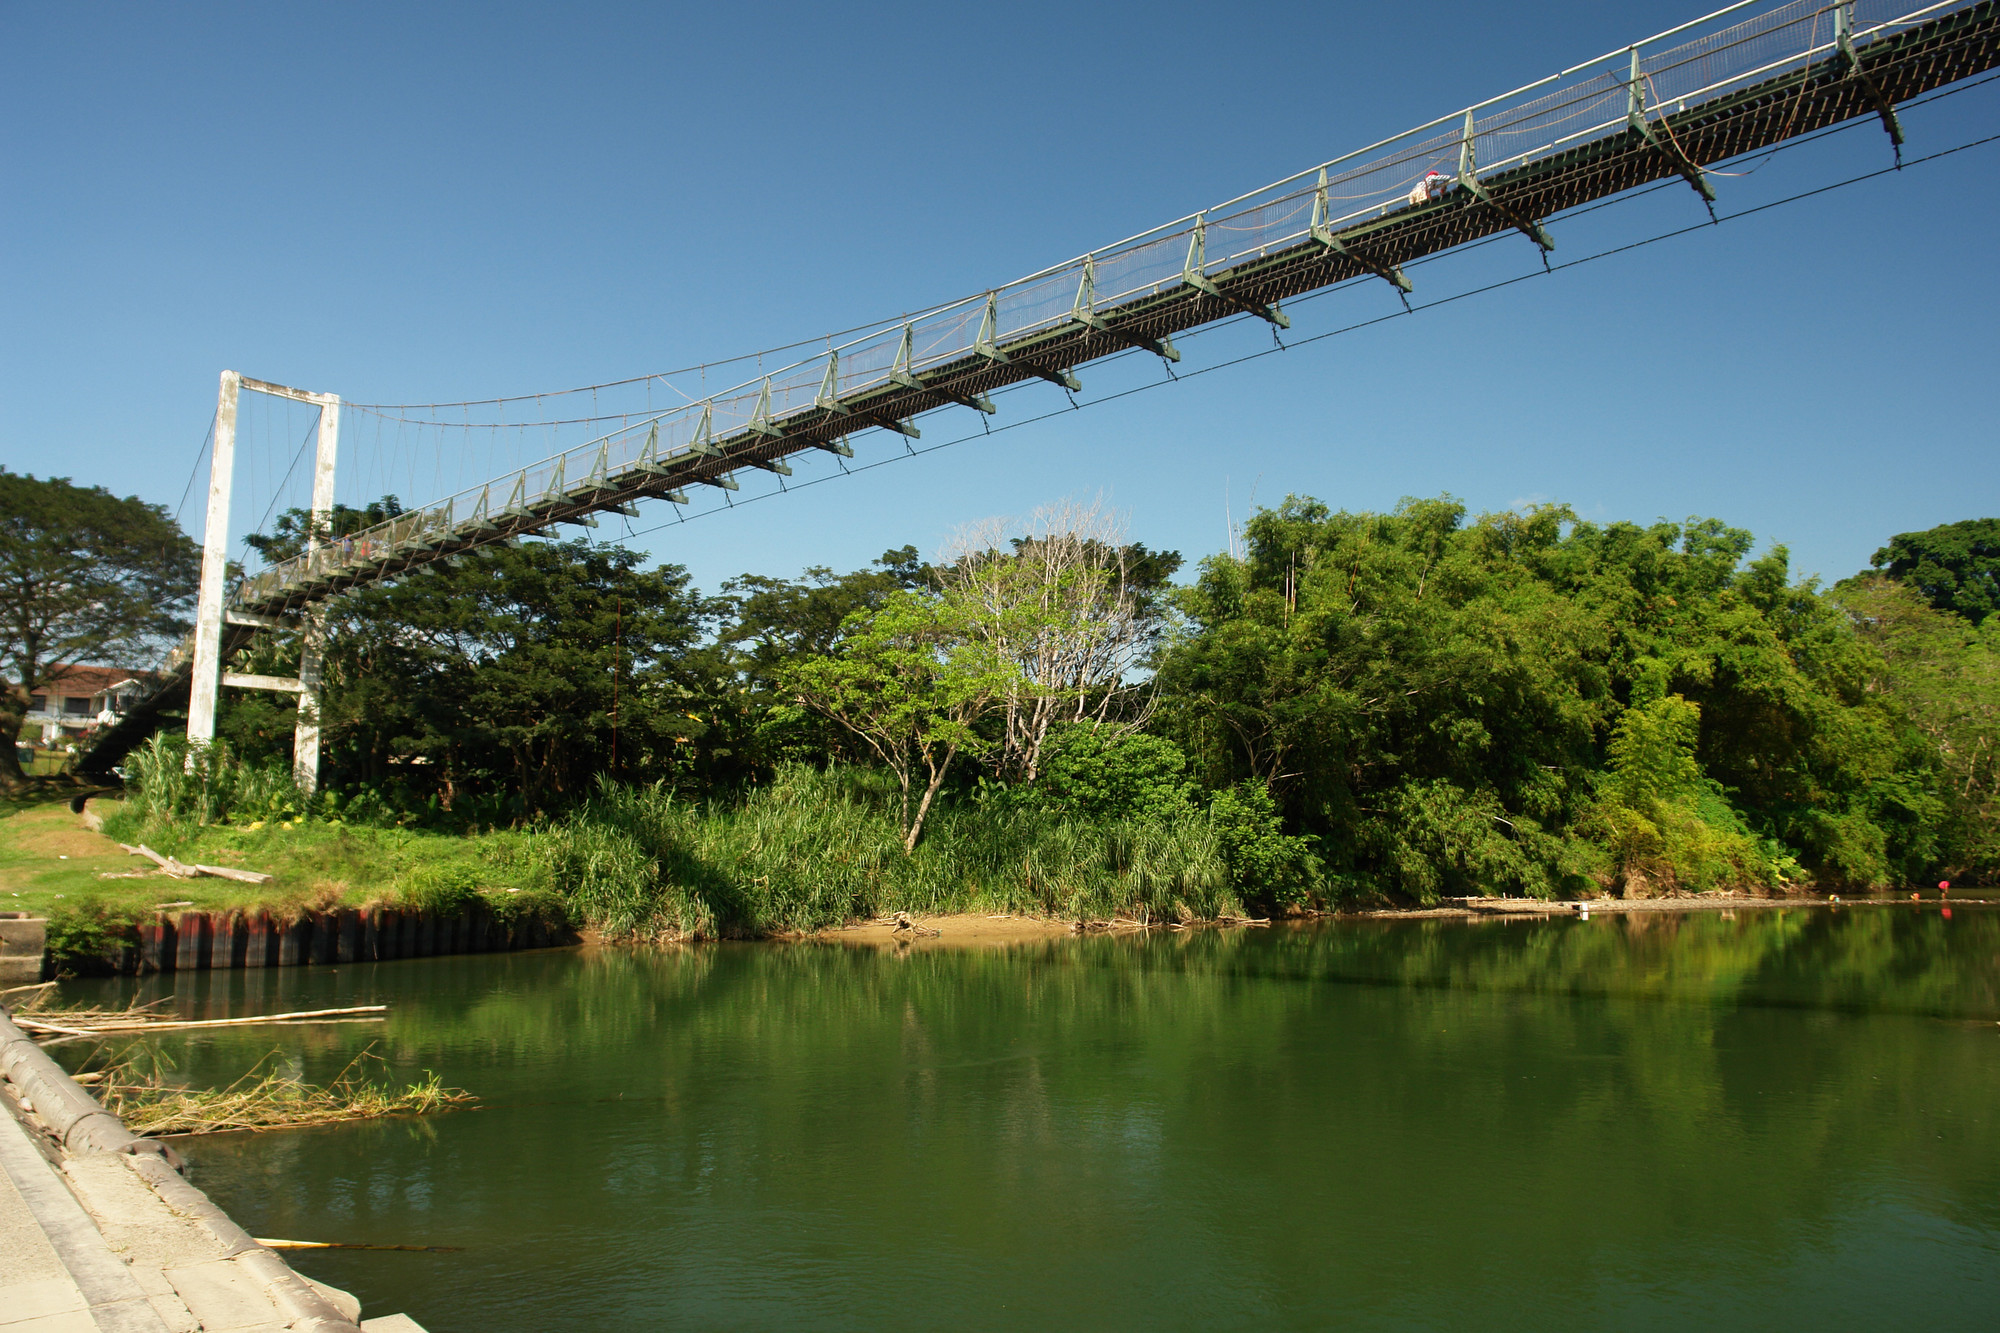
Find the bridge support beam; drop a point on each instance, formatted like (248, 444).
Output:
(1085, 313)
(1195, 274)
(1161, 347)
(978, 402)
(312, 652)
(1468, 177)
(888, 422)
(987, 344)
(1843, 36)
(1635, 116)
(1322, 231)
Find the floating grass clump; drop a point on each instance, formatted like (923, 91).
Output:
(139, 1090)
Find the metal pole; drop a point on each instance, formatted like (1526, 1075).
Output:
(305, 732)
(205, 682)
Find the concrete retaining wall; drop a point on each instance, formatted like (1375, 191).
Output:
(84, 1128)
(23, 939)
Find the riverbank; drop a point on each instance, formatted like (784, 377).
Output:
(955, 929)
(783, 868)
(333, 893)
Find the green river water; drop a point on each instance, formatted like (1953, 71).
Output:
(1780, 1119)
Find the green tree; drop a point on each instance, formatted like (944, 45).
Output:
(1662, 821)
(1266, 864)
(912, 681)
(1652, 752)
(776, 622)
(84, 576)
(1437, 699)
(1074, 608)
(527, 670)
(1954, 566)
(1942, 678)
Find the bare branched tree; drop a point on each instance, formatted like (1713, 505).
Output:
(1066, 599)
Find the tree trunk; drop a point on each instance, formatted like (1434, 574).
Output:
(11, 775)
(924, 807)
(14, 703)
(903, 810)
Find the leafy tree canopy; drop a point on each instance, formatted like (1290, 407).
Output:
(527, 670)
(912, 682)
(84, 577)
(1435, 698)
(1955, 566)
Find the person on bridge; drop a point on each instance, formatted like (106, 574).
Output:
(1432, 186)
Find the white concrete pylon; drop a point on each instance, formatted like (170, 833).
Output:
(305, 732)
(205, 678)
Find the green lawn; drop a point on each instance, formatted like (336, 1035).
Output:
(48, 763)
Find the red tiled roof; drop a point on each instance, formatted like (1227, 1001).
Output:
(88, 680)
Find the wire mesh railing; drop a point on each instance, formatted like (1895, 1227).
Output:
(1734, 48)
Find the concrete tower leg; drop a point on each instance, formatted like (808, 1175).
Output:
(205, 681)
(305, 733)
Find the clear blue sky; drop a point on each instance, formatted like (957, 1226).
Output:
(416, 203)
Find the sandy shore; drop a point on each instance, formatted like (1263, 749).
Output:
(971, 929)
(956, 928)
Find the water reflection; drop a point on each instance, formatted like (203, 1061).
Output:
(1779, 1119)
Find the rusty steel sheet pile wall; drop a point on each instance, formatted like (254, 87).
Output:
(198, 941)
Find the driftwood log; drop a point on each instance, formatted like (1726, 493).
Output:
(182, 871)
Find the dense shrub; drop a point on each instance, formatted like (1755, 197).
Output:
(1101, 772)
(1266, 864)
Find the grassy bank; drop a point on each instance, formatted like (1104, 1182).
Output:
(94, 893)
(809, 851)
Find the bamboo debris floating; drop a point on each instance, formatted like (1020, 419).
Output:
(38, 1026)
(149, 1024)
(39, 1008)
(180, 870)
(265, 1099)
(272, 1244)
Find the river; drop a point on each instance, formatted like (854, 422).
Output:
(1771, 1119)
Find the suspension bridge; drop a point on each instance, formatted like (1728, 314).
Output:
(1744, 79)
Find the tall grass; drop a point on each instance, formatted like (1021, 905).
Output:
(818, 848)
(171, 783)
